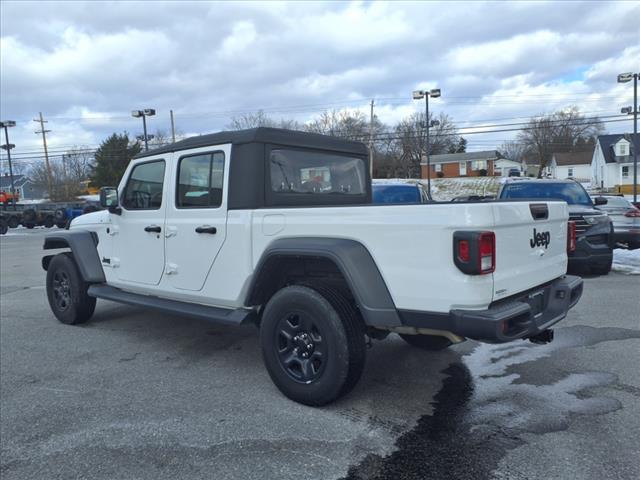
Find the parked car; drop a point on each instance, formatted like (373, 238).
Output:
(222, 227)
(514, 172)
(594, 229)
(399, 193)
(625, 217)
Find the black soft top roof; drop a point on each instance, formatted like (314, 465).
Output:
(276, 136)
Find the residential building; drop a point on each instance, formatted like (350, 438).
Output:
(575, 165)
(468, 164)
(25, 188)
(612, 162)
(503, 166)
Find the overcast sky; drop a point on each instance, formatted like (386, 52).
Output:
(86, 65)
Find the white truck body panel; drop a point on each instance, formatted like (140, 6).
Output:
(411, 245)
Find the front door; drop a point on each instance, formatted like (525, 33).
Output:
(196, 223)
(138, 252)
(463, 168)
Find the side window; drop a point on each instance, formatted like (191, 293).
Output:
(144, 187)
(200, 181)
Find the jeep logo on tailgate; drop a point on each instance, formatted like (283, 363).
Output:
(539, 239)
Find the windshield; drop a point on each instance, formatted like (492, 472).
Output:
(572, 193)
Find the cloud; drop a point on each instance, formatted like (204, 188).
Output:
(210, 61)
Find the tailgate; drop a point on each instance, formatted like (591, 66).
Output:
(531, 245)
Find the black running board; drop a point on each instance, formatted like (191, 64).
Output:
(224, 316)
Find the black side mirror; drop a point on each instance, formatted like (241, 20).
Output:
(109, 199)
(600, 201)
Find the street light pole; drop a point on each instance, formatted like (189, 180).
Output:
(418, 95)
(426, 121)
(147, 112)
(144, 129)
(624, 78)
(6, 125)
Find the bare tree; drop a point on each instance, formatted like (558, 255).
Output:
(513, 150)
(70, 173)
(260, 119)
(563, 131)
(163, 137)
(411, 135)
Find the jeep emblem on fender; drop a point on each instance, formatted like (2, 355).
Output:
(539, 239)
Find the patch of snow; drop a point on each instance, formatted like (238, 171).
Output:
(626, 261)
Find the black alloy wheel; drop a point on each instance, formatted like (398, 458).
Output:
(61, 290)
(301, 348)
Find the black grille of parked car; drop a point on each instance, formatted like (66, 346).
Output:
(581, 225)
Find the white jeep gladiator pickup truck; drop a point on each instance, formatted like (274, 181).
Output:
(277, 228)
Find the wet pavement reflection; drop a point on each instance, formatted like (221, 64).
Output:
(489, 399)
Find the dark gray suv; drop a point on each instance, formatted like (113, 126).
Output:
(594, 229)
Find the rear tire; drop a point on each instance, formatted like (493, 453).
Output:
(13, 222)
(427, 342)
(48, 222)
(313, 344)
(67, 292)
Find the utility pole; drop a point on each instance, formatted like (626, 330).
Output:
(46, 153)
(371, 141)
(173, 128)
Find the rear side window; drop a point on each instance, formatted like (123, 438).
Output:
(317, 173)
(144, 187)
(200, 181)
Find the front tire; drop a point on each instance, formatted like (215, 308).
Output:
(67, 292)
(427, 342)
(313, 344)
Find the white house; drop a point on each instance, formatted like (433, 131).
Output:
(612, 163)
(571, 165)
(503, 165)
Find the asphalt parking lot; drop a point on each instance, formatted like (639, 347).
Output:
(140, 395)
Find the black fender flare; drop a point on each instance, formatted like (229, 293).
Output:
(354, 262)
(83, 248)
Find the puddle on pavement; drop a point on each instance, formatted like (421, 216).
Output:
(486, 404)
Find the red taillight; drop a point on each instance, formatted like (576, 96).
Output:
(571, 237)
(633, 213)
(474, 253)
(463, 250)
(487, 252)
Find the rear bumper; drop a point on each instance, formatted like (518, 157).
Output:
(520, 317)
(593, 250)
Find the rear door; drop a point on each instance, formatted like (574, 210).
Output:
(196, 221)
(531, 245)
